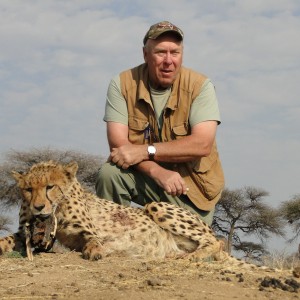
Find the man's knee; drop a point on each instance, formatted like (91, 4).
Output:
(107, 173)
(113, 183)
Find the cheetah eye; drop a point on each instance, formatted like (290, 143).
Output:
(49, 187)
(29, 190)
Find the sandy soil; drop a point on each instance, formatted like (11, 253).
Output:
(68, 276)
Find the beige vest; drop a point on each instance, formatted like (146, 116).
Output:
(204, 176)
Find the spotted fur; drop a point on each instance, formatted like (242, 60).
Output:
(99, 227)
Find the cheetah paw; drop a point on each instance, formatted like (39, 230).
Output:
(92, 251)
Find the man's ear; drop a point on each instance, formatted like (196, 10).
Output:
(145, 54)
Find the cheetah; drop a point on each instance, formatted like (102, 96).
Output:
(98, 228)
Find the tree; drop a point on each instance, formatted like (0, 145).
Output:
(290, 212)
(21, 161)
(5, 222)
(252, 251)
(242, 211)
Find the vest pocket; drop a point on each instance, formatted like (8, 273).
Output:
(208, 173)
(180, 131)
(137, 130)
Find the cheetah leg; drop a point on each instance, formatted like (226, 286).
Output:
(93, 250)
(206, 250)
(181, 222)
(7, 244)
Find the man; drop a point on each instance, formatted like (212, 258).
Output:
(161, 125)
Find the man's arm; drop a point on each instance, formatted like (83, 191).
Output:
(122, 152)
(197, 144)
(125, 154)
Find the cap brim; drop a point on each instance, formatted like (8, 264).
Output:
(158, 34)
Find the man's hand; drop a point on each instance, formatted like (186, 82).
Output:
(128, 155)
(170, 181)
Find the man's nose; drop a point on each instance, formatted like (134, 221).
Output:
(168, 59)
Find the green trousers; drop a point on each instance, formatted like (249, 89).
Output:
(126, 186)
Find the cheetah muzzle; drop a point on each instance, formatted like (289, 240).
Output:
(40, 234)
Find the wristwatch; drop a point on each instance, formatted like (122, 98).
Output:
(151, 152)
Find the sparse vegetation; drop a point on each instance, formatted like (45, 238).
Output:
(5, 223)
(290, 211)
(281, 260)
(243, 211)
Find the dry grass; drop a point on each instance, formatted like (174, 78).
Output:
(281, 260)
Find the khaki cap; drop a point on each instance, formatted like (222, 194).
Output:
(159, 28)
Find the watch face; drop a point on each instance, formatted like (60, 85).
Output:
(151, 150)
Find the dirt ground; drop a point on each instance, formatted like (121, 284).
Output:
(68, 276)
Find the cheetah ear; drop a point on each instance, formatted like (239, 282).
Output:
(19, 177)
(71, 168)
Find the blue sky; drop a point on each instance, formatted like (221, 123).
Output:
(57, 58)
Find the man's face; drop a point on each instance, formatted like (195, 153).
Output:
(164, 59)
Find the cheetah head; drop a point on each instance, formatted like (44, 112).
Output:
(45, 184)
